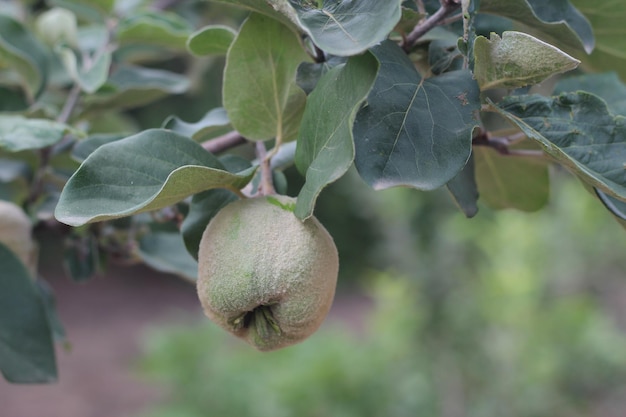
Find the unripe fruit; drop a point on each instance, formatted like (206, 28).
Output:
(15, 233)
(265, 275)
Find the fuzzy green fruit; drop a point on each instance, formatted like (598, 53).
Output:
(264, 275)
(15, 234)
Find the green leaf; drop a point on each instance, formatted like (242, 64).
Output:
(615, 206)
(579, 132)
(214, 123)
(464, 190)
(607, 19)
(132, 86)
(81, 257)
(204, 206)
(18, 133)
(309, 73)
(166, 252)
(325, 147)
(504, 62)
(26, 347)
(211, 40)
(414, 132)
(555, 22)
(511, 182)
(147, 171)
(608, 86)
(22, 52)
(90, 78)
(160, 28)
(260, 91)
(348, 27)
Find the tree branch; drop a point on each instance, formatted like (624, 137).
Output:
(224, 142)
(447, 8)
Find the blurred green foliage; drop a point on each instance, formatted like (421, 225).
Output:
(507, 314)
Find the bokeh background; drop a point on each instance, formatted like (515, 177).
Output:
(507, 314)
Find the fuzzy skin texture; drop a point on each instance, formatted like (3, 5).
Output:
(256, 253)
(15, 233)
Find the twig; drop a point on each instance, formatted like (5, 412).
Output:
(266, 187)
(224, 142)
(447, 8)
(70, 104)
(503, 144)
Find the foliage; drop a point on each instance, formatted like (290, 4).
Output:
(513, 332)
(411, 93)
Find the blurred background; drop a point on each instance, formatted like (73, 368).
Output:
(507, 314)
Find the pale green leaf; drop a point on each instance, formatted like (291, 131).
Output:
(18, 133)
(161, 28)
(214, 123)
(166, 252)
(516, 60)
(89, 77)
(211, 40)
(347, 27)
(325, 147)
(147, 171)
(260, 91)
(94, 10)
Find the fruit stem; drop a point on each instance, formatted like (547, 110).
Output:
(266, 187)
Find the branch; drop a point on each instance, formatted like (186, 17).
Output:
(447, 8)
(502, 145)
(224, 142)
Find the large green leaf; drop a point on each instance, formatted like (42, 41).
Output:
(347, 27)
(556, 22)
(261, 96)
(22, 52)
(211, 40)
(415, 132)
(151, 170)
(276, 9)
(578, 130)
(511, 182)
(325, 147)
(26, 346)
(161, 28)
(607, 85)
(607, 18)
(18, 133)
(504, 62)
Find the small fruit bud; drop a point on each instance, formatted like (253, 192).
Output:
(57, 25)
(265, 275)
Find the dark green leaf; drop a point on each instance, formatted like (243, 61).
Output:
(579, 132)
(22, 52)
(615, 206)
(203, 207)
(309, 73)
(47, 295)
(464, 189)
(414, 132)
(261, 96)
(81, 257)
(555, 22)
(348, 27)
(211, 40)
(504, 62)
(325, 147)
(607, 18)
(151, 170)
(18, 133)
(275, 9)
(26, 348)
(608, 86)
(214, 123)
(166, 252)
